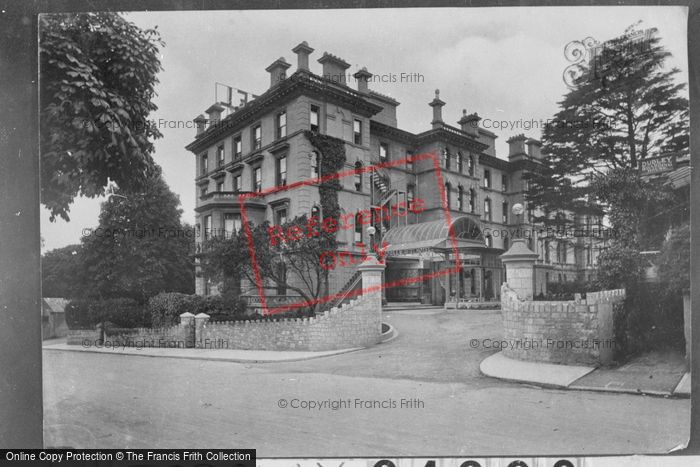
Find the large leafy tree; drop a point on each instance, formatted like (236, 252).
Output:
(301, 265)
(141, 247)
(624, 107)
(61, 272)
(98, 77)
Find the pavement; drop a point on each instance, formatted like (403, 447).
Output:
(443, 403)
(221, 355)
(660, 373)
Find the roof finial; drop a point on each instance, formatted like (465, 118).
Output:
(464, 112)
(437, 94)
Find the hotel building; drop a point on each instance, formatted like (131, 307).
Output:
(262, 143)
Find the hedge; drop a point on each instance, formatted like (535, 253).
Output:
(165, 308)
(122, 312)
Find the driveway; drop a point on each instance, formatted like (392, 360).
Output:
(420, 394)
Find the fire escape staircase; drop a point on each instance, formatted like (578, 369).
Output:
(382, 193)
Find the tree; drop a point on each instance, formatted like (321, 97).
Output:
(300, 265)
(97, 82)
(140, 247)
(61, 272)
(625, 107)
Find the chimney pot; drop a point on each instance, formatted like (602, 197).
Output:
(516, 146)
(362, 78)
(334, 68)
(437, 105)
(303, 51)
(534, 148)
(201, 122)
(278, 71)
(470, 123)
(214, 113)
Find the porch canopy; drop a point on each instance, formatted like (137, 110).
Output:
(434, 235)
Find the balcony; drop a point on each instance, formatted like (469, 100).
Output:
(215, 199)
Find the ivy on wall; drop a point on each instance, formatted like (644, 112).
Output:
(332, 160)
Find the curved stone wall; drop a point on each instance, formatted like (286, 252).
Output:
(565, 332)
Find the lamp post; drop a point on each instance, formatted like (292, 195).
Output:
(518, 210)
(371, 231)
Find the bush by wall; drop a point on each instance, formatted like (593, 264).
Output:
(165, 308)
(566, 290)
(122, 312)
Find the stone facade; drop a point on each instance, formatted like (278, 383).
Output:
(478, 183)
(575, 332)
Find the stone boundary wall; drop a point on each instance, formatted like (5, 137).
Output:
(84, 337)
(575, 332)
(355, 324)
(179, 336)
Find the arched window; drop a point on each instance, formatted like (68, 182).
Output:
(358, 176)
(546, 251)
(487, 209)
(460, 161)
(446, 158)
(448, 190)
(358, 227)
(471, 165)
(489, 241)
(315, 172)
(460, 198)
(505, 243)
(472, 275)
(472, 200)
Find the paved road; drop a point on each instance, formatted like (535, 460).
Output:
(96, 400)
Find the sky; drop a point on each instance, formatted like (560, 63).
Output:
(506, 64)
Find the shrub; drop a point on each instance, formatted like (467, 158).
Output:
(620, 267)
(166, 308)
(674, 261)
(121, 312)
(566, 290)
(650, 318)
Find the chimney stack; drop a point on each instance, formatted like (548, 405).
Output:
(201, 123)
(362, 78)
(334, 68)
(303, 51)
(437, 104)
(470, 123)
(534, 148)
(214, 113)
(516, 147)
(278, 71)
